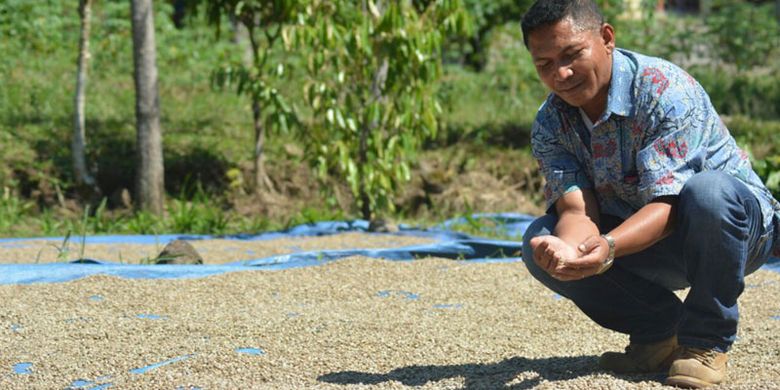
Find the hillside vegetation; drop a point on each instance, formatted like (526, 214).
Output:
(478, 160)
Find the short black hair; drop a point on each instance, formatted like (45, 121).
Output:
(584, 13)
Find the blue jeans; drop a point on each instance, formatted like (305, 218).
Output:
(718, 239)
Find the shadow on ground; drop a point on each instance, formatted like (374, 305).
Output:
(480, 376)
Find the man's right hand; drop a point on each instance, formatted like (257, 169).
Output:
(550, 251)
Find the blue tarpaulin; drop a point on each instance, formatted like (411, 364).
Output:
(448, 244)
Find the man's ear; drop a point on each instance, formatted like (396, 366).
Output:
(608, 36)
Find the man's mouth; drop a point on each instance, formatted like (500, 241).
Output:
(569, 88)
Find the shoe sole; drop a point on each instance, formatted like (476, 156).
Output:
(687, 382)
(663, 367)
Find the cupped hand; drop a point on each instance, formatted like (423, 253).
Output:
(591, 255)
(550, 252)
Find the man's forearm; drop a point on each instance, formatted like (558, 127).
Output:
(650, 224)
(578, 217)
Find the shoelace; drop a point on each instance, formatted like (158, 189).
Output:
(705, 356)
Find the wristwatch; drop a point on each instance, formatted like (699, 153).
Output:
(610, 257)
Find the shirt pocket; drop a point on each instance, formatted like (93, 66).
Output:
(629, 187)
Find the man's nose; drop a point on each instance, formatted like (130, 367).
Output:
(563, 73)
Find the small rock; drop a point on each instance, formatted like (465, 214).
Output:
(179, 252)
(382, 226)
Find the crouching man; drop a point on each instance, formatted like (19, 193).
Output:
(647, 192)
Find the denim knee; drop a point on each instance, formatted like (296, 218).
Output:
(706, 195)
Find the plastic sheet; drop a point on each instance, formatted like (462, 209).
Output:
(449, 244)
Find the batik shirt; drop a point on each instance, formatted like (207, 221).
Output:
(658, 130)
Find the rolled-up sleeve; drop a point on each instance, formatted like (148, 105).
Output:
(561, 169)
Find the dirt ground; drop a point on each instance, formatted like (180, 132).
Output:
(445, 182)
(353, 323)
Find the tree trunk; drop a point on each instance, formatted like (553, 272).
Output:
(149, 169)
(241, 38)
(777, 10)
(365, 199)
(84, 179)
(262, 181)
(377, 85)
(377, 95)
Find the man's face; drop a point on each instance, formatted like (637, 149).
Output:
(574, 64)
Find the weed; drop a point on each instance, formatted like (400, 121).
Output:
(312, 215)
(214, 221)
(147, 260)
(143, 222)
(100, 222)
(12, 210)
(84, 232)
(253, 224)
(183, 216)
(63, 249)
(49, 224)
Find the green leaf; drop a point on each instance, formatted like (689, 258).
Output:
(343, 153)
(429, 119)
(406, 172)
(322, 167)
(340, 119)
(374, 11)
(283, 123)
(384, 181)
(351, 124)
(281, 103)
(330, 116)
(352, 176)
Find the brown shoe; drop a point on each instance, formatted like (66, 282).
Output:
(641, 358)
(697, 368)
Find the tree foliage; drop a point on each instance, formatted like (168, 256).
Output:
(485, 16)
(743, 34)
(265, 21)
(372, 68)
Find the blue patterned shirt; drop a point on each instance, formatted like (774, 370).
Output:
(658, 130)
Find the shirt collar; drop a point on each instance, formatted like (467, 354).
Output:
(620, 99)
